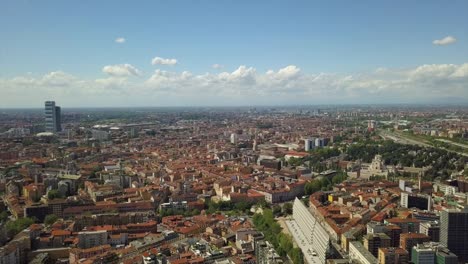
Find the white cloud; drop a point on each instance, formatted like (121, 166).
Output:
(461, 71)
(120, 40)
(58, 78)
(444, 41)
(121, 70)
(287, 72)
(162, 61)
(217, 66)
(244, 85)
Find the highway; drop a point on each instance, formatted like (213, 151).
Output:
(402, 140)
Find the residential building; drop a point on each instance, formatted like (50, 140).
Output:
(313, 231)
(409, 240)
(360, 254)
(89, 239)
(392, 255)
(266, 254)
(372, 242)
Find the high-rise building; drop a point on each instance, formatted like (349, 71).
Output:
(394, 232)
(319, 142)
(431, 229)
(52, 117)
(454, 232)
(309, 144)
(316, 237)
(234, 138)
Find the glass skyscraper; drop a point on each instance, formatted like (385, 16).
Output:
(454, 232)
(52, 117)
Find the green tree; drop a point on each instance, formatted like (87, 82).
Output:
(16, 226)
(287, 208)
(50, 219)
(276, 209)
(52, 194)
(313, 186)
(272, 230)
(295, 161)
(3, 216)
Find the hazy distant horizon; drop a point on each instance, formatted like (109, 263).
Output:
(311, 106)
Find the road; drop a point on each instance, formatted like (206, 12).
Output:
(398, 138)
(402, 140)
(453, 143)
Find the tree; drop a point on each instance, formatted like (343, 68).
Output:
(294, 161)
(297, 256)
(50, 219)
(16, 226)
(280, 241)
(313, 186)
(287, 208)
(52, 194)
(276, 209)
(3, 216)
(339, 178)
(242, 206)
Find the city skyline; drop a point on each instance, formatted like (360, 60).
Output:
(232, 54)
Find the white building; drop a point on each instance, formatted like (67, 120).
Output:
(317, 239)
(319, 142)
(234, 138)
(309, 144)
(358, 252)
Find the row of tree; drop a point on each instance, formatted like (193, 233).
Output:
(324, 184)
(442, 162)
(281, 242)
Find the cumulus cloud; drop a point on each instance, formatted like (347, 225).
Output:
(425, 83)
(162, 61)
(58, 78)
(120, 40)
(217, 66)
(444, 41)
(287, 72)
(121, 70)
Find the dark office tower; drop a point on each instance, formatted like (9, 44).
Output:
(58, 119)
(454, 232)
(52, 117)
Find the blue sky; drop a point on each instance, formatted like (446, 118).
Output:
(340, 38)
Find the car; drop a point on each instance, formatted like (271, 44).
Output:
(314, 253)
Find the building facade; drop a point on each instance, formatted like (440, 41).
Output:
(454, 232)
(53, 118)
